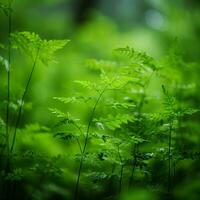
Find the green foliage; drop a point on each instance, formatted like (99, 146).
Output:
(15, 175)
(4, 63)
(31, 44)
(130, 122)
(140, 58)
(6, 8)
(114, 122)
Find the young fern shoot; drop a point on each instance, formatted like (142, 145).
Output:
(86, 141)
(38, 49)
(22, 100)
(144, 68)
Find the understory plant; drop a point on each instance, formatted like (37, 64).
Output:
(39, 51)
(130, 124)
(119, 141)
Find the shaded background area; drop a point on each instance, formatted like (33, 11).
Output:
(95, 28)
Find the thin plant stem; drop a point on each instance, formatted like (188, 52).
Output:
(134, 165)
(8, 76)
(85, 143)
(78, 141)
(121, 178)
(23, 98)
(121, 171)
(169, 156)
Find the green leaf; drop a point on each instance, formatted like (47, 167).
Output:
(74, 99)
(113, 122)
(64, 136)
(137, 140)
(87, 84)
(15, 175)
(31, 44)
(4, 63)
(100, 65)
(63, 116)
(137, 57)
(189, 111)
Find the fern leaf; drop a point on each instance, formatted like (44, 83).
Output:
(65, 117)
(74, 99)
(31, 43)
(114, 122)
(137, 57)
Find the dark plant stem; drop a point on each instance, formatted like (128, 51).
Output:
(85, 143)
(8, 186)
(23, 98)
(78, 142)
(78, 179)
(169, 156)
(139, 110)
(8, 76)
(91, 118)
(174, 172)
(121, 178)
(134, 165)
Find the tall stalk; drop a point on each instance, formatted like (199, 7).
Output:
(23, 98)
(85, 143)
(169, 155)
(8, 75)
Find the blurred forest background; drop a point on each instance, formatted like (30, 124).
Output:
(95, 28)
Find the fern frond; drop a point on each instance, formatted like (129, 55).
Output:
(137, 57)
(86, 84)
(188, 111)
(65, 117)
(113, 122)
(74, 99)
(30, 43)
(100, 65)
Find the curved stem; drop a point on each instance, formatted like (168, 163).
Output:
(91, 118)
(78, 142)
(22, 100)
(85, 143)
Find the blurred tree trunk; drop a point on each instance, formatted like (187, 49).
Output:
(83, 9)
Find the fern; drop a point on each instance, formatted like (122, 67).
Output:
(30, 43)
(43, 50)
(136, 57)
(114, 122)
